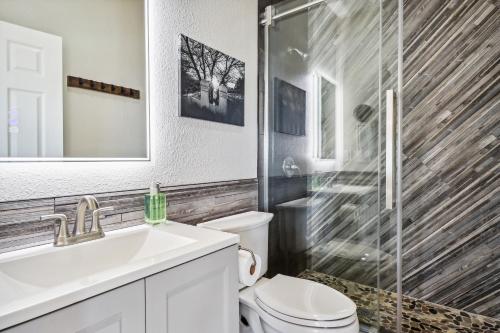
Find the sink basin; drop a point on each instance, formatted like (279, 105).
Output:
(345, 189)
(52, 267)
(42, 279)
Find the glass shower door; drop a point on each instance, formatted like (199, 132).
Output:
(329, 72)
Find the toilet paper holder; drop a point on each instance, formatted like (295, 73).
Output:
(252, 268)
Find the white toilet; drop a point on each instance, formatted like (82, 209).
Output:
(284, 304)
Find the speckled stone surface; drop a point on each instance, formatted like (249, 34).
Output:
(418, 316)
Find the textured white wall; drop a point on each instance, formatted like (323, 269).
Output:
(183, 150)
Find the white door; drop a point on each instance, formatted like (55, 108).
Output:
(198, 297)
(31, 93)
(121, 310)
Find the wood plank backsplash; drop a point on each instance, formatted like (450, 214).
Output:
(20, 226)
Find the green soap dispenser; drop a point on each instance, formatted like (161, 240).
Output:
(155, 205)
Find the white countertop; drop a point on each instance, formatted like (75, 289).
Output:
(307, 202)
(28, 291)
(346, 189)
(313, 201)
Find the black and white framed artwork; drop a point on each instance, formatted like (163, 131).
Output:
(212, 84)
(289, 108)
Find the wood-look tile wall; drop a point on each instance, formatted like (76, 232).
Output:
(20, 226)
(451, 179)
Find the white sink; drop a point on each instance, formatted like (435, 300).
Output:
(38, 280)
(52, 267)
(346, 189)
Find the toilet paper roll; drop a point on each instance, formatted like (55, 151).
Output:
(247, 271)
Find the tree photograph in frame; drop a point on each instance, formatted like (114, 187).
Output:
(212, 84)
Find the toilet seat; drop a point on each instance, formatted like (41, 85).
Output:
(304, 322)
(305, 302)
(262, 321)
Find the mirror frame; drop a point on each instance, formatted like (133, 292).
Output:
(148, 122)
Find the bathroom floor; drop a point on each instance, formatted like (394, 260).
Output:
(418, 315)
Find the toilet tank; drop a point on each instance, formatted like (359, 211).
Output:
(253, 229)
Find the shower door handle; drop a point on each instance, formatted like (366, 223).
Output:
(390, 151)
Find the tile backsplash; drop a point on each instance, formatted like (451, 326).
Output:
(20, 226)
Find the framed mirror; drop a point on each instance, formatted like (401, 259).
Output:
(73, 80)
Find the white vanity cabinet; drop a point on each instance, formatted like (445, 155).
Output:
(199, 296)
(194, 297)
(121, 310)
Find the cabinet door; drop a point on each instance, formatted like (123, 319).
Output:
(200, 296)
(118, 311)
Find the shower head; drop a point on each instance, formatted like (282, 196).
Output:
(338, 7)
(300, 53)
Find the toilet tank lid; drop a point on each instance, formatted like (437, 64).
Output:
(239, 222)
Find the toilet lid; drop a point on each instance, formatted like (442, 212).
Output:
(304, 299)
(304, 322)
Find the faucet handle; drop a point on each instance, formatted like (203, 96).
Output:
(61, 236)
(96, 214)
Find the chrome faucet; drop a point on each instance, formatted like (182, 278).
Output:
(79, 235)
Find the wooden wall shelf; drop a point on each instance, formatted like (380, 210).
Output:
(78, 82)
